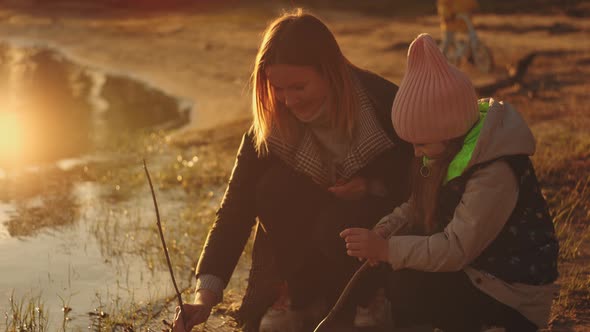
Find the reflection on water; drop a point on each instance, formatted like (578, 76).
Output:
(51, 108)
(76, 221)
(5, 211)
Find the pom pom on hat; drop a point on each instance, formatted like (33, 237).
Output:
(435, 101)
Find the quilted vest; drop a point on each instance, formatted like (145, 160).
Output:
(526, 249)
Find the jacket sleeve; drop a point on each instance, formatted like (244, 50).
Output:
(391, 170)
(399, 220)
(235, 217)
(488, 201)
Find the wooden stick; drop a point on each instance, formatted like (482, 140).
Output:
(340, 303)
(147, 173)
(516, 76)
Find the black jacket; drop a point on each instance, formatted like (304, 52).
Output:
(237, 213)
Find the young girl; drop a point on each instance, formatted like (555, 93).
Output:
(475, 245)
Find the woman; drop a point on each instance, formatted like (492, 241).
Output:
(321, 155)
(475, 245)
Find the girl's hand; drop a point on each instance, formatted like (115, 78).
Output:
(384, 233)
(366, 244)
(356, 188)
(196, 313)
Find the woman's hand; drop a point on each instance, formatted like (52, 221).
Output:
(356, 188)
(196, 313)
(365, 244)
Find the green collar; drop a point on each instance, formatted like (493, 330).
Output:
(459, 163)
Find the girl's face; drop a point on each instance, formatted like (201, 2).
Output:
(430, 150)
(301, 88)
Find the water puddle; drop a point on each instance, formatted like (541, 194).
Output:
(51, 108)
(77, 225)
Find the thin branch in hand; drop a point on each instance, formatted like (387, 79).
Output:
(343, 296)
(147, 173)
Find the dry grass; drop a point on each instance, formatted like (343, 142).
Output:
(26, 314)
(551, 101)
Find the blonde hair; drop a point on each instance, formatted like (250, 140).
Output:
(300, 39)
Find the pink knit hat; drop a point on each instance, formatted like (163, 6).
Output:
(435, 101)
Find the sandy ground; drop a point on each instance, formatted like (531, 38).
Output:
(207, 56)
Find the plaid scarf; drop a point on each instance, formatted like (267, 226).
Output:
(305, 156)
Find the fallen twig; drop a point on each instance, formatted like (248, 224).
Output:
(516, 75)
(147, 173)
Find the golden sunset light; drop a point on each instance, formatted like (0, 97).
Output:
(295, 165)
(11, 135)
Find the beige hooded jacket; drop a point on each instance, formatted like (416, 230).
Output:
(488, 201)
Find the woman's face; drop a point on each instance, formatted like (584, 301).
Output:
(430, 150)
(301, 88)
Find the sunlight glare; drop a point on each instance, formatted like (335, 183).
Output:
(11, 135)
